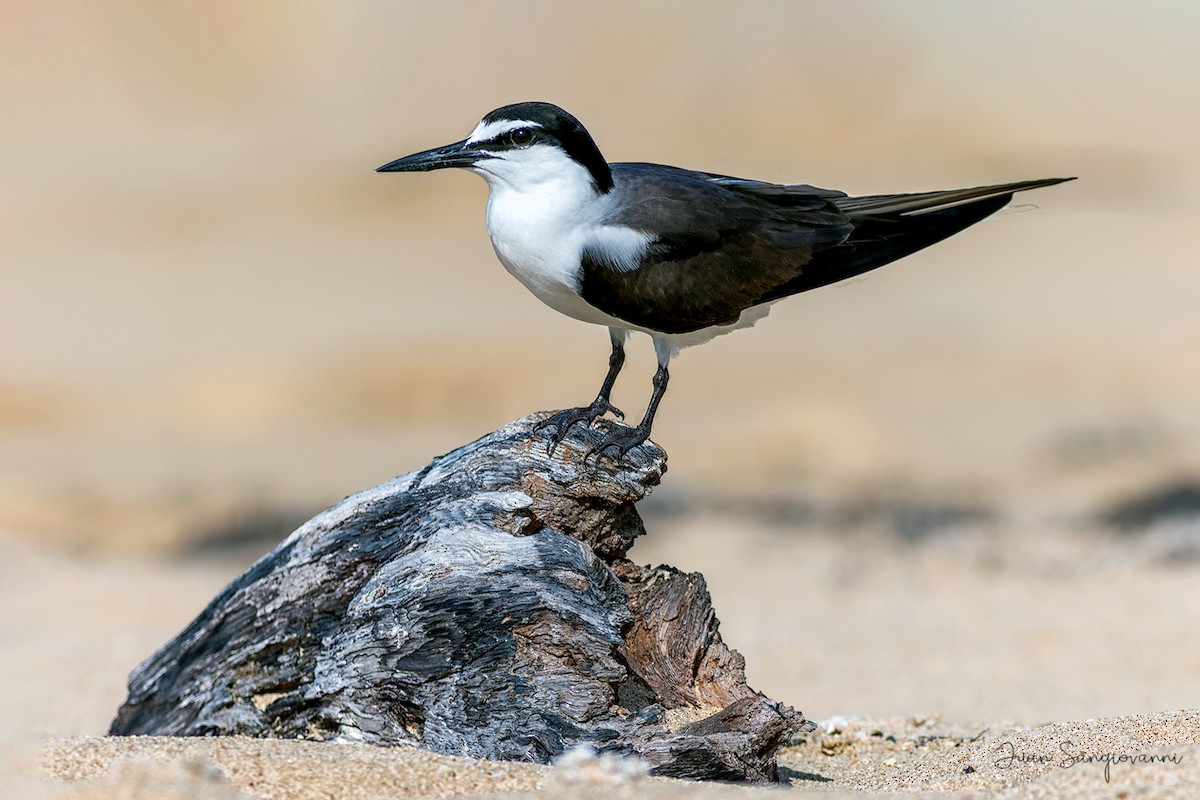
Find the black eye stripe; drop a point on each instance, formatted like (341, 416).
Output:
(519, 136)
(554, 127)
(515, 137)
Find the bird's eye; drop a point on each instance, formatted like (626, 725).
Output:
(520, 136)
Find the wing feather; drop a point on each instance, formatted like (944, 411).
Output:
(924, 202)
(720, 245)
(715, 249)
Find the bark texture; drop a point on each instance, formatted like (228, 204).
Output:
(482, 606)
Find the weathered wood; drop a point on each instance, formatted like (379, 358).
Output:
(481, 606)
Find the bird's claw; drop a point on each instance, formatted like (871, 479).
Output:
(622, 438)
(563, 421)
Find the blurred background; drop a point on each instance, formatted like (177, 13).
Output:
(963, 483)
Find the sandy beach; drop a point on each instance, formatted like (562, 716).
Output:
(1152, 755)
(950, 510)
(918, 661)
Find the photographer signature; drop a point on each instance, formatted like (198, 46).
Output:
(1070, 755)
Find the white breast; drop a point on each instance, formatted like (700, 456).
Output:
(543, 210)
(537, 241)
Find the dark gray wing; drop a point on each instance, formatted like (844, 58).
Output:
(718, 248)
(785, 193)
(725, 244)
(926, 202)
(889, 227)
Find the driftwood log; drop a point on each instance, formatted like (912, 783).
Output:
(482, 606)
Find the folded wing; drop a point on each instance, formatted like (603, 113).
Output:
(722, 245)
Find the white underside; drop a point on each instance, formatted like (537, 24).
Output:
(748, 318)
(552, 275)
(543, 212)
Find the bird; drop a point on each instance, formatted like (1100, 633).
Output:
(680, 255)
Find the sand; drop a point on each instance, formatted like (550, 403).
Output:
(812, 631)
(1152, 755)
(216, 320)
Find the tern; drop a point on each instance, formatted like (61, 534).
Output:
(680, 255)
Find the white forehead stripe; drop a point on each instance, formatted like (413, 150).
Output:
(486, 131)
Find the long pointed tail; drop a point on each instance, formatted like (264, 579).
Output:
(925, 202)
(889, 227)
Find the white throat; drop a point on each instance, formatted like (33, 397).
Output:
(543, 210)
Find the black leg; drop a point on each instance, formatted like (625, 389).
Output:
(563, 421)
(625, 439)
(616, 360)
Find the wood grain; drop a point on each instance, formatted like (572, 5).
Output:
(481, 606)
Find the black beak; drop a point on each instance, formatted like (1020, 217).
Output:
(452, 155)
